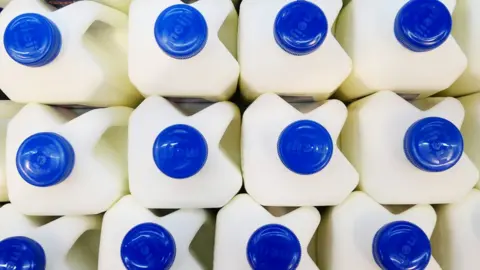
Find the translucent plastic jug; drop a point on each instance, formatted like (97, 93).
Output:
(290, 154)
(67, 243)
(250, 237)
(471, 127)
(287, 47)
(14, 222)
(362, 234)
(456, 238)
(74, 55)
(178, 160)
(408, 153)
(61, 165)
(399, 45)
(466, 30)
(184, 50)
(7, 110)
(135, 238)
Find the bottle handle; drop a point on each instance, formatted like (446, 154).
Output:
(81, 15)
(87, 129)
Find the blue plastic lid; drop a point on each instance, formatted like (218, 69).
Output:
(273, 246)
(300, 27)
(180, 151)
(423, 25)
(32, 40)
(401, 245)
(45, 159)
(305, 147)
(181, 31)
(433, 144)
(148, 246)
(21, 253)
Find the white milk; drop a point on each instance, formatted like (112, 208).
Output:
(7, 110)
(406, 154)
(13, 222)
(471, 127)
(184, 161)
(466, 30)
(79, 55)
(290, 153)
(183, 50)
(67, 243)
(250, 237)
(399, 45)
(133, 237)
(57, 165)
(287, 47)
(362, 234)
(456, 238)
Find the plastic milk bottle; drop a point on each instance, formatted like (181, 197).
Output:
(134, 238)
(287, 47)
(399, 45)
(61, 165)
(466, 30)
(471, 127)
(408, 153)
(362, 234)
(74, 55)
(67, 243)
(456, 238)
(290, 153)
(180, 158)
(250, 237)
(184, 50)
(7, 110)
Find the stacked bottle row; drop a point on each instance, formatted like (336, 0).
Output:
(100, 56)
(245, 235)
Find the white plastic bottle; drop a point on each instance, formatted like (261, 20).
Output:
(74, 55)
(61, 165)
(183, 50)
(399, 45)
(248, 236)
(67, 243)
(135, 238)
(290, 154)
(184, 161)
(456, 238)
(13, 222)
(466, 30)
(374, 238)
(287, 47)
(471, 127)
(7, 110)
(408, 153)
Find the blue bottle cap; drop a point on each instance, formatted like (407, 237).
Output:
(273, 246)
(433, 144)
(181, 31)
(45, 159)
(32, 40)
(401, 245)
(300, 27)
(423, 25)
(305, 147)
(180, 151)
(148, 246)
(21, 253)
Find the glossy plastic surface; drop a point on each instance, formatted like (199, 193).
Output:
(32, 40)
(181, 31)
(180, 151)
(433, 144)
(148, 246)
(45, 159)
(300, 27)
(21, 253)
(401, 245)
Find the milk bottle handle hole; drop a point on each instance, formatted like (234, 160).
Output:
(83, 14)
